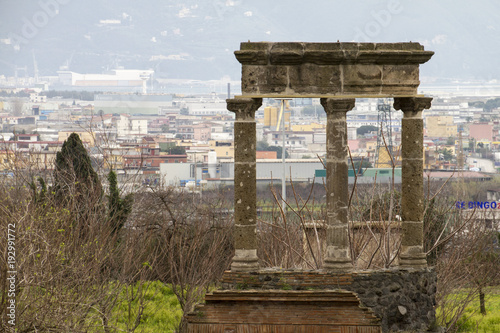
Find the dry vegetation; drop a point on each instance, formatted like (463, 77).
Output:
(78, 260)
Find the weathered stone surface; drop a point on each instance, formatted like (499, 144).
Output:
(412, 182)
(245, 260)
(412, 187)
(244, 141)
(337, 235)
(244, 236)
(412, 138)
(312, 79)
(331, 69)
(413, 233)
(412, 106)
(245, 211)
(244, 108)
(337, 244)
(412, 257)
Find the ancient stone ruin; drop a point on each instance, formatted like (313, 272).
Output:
(371, 301)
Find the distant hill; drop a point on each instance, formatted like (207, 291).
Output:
(196, 39)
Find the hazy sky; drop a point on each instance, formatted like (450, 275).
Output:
(196, 39)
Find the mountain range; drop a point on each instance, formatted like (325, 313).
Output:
(192, 39)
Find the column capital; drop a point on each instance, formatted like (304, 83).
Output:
(412, 106)
(337, 104)
(244, 108)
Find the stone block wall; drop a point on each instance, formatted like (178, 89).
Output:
(403, 299)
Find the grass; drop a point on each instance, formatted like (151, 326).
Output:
(162, 312)
(473, 321)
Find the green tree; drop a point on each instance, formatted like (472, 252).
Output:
(447, 154)
(278, 151)
(74, 176)
(362, 130)
(262, 145)
(360, 165)
(491, 104)
(118, 208)
(177, 150)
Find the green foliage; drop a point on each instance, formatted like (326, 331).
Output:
(360, 165)
(362, 130)
(491, 104)
(278, 151)
(74, 174)
(241, 286)
(118, 208)
(477, 104)
(264, 146)
(472, 320)
(81, 95)
(162, 312)
(447, 154)
(38, 196)
(177, 150)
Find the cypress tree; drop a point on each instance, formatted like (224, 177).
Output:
(76, 185)
(118, 208)
(74, 174)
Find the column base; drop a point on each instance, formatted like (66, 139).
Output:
(414, 260)
(245, 261)
(338, 264)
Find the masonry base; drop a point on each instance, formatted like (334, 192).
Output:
(264, 311)
(403, 299)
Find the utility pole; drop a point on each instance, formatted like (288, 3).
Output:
(281, 122)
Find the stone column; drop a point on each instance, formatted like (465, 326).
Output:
(245, 197)
(412, 188)
(338, 255)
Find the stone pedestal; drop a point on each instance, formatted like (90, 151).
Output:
(412, 197)
(338, 255)
(245, 186)
(264, 311)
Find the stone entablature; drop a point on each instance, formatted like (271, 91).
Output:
(292, 69)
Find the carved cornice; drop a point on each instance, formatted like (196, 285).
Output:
(294, 53)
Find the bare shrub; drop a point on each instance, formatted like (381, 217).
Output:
(192, 240)
(71, 268)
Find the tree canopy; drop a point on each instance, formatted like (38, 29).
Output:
(362, 130)
(177, 150)
(74, 174)
(118, 208)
